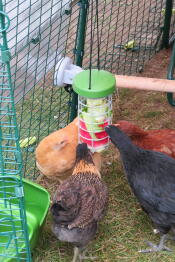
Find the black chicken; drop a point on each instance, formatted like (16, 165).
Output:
(151, 176)
(79, 203)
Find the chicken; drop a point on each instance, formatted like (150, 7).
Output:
(151, 178)
(79, 203)
(161, 140)
(55, 154)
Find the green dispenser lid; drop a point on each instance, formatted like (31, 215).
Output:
(103, 83)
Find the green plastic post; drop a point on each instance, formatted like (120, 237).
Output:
(79, 49)
(170, 76)
(167, 24)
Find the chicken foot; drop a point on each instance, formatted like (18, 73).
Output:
(156, 248)
(79, 253)
(82, 257)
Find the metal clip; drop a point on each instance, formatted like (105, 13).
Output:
(19, 191)
(78, 52)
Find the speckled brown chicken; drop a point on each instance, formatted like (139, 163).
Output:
(79, 203)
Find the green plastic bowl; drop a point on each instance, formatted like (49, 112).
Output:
(37, 202)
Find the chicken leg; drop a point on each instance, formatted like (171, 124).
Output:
(156, 248)
(76, 254)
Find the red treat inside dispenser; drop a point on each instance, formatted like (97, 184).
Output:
(85, 136)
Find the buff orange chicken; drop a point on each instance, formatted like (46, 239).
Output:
(56, 153)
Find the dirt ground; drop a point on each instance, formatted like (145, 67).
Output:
(157, 66)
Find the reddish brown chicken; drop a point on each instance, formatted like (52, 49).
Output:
(161, 140)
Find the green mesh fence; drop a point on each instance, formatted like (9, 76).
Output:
(130, 33)
(40, 33)
(43, 31)
(37, 39)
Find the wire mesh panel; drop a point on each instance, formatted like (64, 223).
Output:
(37, 39)
(13, 228)
(130, 32)
(33, 37)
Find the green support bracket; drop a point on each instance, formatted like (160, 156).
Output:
(170, 98)
(5, 56)
(79, 49)
(170, 75)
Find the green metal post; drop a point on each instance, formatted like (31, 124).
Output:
(5, 57)
(167, 24)
(79, 49)
(170, 75)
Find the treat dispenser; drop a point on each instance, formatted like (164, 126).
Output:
(94, 88)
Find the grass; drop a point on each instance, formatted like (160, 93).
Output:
(151, 114)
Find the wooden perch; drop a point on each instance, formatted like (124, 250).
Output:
(144, 83)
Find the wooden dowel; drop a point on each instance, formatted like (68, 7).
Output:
(145, 83)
